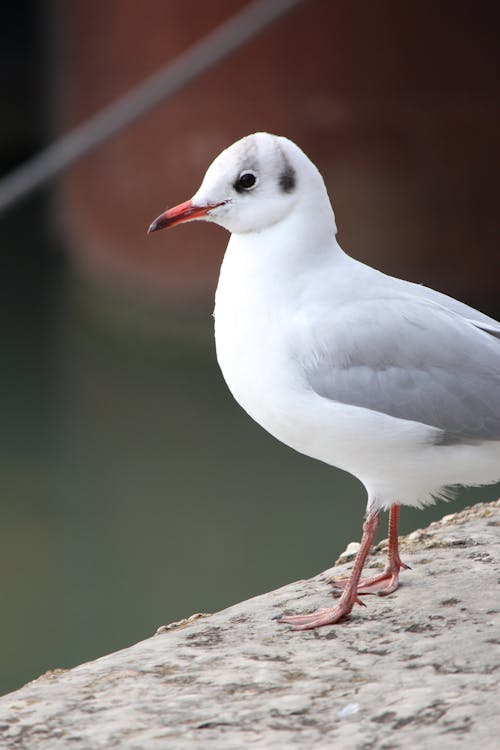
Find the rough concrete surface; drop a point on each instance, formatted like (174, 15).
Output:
(416, 669)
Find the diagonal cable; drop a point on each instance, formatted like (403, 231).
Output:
(195, 61)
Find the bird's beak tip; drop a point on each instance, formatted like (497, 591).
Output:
(171, 217)
(153, 227)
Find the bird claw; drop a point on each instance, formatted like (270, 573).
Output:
(382, 585)
(323, 616)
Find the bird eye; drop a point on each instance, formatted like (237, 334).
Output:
(245, 181)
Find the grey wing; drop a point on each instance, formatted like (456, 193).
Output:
(460, 308)
(411, 359)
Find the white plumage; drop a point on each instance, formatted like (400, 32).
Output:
(388, 380)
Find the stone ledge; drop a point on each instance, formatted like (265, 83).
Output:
(414, 670)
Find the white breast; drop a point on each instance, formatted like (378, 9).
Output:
(264, 315)
(251, 342)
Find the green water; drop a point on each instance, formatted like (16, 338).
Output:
(133, 490)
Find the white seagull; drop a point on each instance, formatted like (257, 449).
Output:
(391, 381)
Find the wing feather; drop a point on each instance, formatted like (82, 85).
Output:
(412, 359)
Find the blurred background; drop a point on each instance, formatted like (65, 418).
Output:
(133, 490)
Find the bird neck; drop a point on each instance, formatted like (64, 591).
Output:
(305, 236)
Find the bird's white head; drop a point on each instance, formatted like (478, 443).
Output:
(254, 184)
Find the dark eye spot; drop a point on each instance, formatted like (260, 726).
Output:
(245, 181)
(287, 179)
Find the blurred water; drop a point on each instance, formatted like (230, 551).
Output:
(133, 490)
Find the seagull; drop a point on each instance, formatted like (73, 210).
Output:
(388, 380)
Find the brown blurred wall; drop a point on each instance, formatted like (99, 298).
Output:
(396, 102)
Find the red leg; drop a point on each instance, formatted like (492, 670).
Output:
(388, 581)
(331, 615)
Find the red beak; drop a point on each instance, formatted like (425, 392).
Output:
(179, 214)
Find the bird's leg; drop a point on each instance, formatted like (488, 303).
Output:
(388, 581)
(349, 597)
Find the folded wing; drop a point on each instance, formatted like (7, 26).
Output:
(412, 359)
